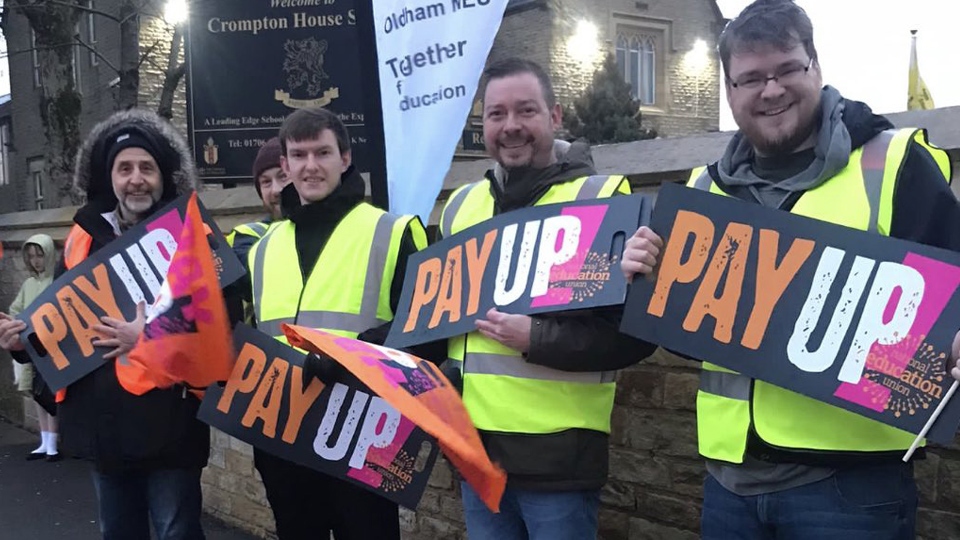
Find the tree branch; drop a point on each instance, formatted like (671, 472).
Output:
(64, 4)
(146, 54)
(97, 53)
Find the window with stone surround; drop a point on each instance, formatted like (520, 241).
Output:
(35, 58)
(92, 34)
(4, 154)
(75, 61)
(35, 169)
(637, 51)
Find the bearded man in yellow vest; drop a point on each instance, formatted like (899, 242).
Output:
(539, 389)
(336, 264)
(781, 465)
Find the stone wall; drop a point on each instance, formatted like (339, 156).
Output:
(156, 37)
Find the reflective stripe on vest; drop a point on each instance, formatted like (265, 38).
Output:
(256, 229)
(859, 196)
(348, 290)
(502, 391)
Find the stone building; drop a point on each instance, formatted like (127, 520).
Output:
(8, 191)
(665, 49)
(96, 57)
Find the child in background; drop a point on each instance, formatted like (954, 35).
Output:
(39, 256)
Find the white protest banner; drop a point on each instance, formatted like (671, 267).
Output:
(431, 55)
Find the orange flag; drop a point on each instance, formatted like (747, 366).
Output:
(187, 337)
(419, 391)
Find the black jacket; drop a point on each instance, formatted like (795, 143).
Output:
(574, 459)
(925, 211)
(99, 420)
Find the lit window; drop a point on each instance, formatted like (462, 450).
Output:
(637, 61)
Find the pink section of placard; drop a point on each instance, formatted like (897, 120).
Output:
(590, 219)
(867, 394)
(384, 457)
(940, 283)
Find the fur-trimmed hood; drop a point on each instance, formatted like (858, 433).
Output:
(91, 177)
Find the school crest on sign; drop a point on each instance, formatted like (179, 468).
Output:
(304, 67)
(211, 152)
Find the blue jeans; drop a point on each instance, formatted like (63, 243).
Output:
(130, 501)
(533, 515)
(862, 503)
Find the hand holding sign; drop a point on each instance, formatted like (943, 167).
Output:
(954, 358)
(557, 257)
(852, 319)
(120, 334)
(510, 330)
(10, 329)
(641, 253)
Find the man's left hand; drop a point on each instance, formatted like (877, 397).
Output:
(121, 335)
(510, 330)
(955, 357)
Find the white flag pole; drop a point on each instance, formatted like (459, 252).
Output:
(929, 424)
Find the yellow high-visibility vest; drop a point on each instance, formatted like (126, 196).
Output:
(501, 391)
(861, 197)
(348, 290)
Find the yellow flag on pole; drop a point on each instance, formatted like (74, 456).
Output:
(918, 96)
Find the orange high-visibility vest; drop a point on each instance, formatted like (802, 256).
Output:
(133, 378)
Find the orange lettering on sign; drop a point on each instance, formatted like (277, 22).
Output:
(300, 401)
(672, 269)
(448, 300)
(246, 373)
(100, 291)
(265, 404)
(476, 265)
(80, 318)
(729, 259)
(51, 329)
(428, 284)
(772, 281)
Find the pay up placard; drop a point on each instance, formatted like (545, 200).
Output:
(534, 260)
(345, 432)
(110, 282)
(854, 319)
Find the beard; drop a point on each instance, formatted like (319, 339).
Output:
(782, 143)
(135, 208)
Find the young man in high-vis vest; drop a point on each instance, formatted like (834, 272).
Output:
(146, 444)
(782, 465)
(539, 389)
(337, 263)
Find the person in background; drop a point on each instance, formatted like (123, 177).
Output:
(39, 255)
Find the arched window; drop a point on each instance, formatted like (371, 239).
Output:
(648, 72)
(636, 56)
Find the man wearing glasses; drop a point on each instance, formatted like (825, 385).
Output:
(782, 465)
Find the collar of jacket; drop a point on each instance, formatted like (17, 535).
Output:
(332, 209)
(522, 186)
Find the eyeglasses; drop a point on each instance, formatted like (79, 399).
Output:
(785, 76)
